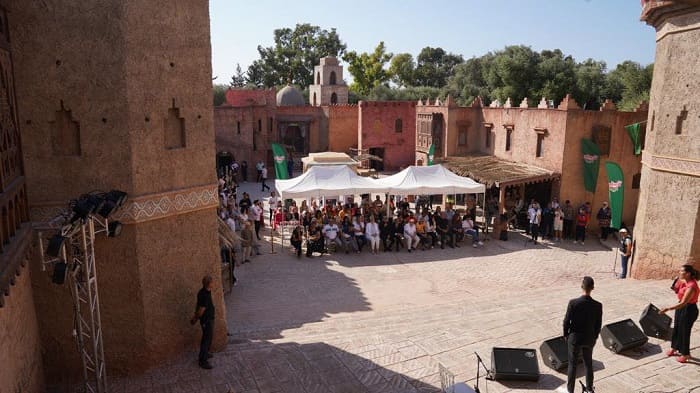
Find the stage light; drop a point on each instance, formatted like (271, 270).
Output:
(116, 196)
(108, 207)
(55, 244)
(85, 206)
(114, 229)
(59, 273)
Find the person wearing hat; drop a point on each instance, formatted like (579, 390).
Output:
(625, 251)
(582, 325)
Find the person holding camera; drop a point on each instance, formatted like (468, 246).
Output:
(686, 312)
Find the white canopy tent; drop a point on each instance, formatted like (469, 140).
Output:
(434, 179)
(327, 180)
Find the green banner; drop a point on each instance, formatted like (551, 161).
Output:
(431, 154)
(591, 159)
(616, 191)
(633, 130)
(280, 157)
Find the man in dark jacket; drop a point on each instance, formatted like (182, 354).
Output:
(205, 313)
(581, 329)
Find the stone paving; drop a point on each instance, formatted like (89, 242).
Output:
(363, 323)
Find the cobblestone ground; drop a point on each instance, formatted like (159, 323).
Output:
(363, 323)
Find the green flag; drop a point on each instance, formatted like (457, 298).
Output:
(591, 158)
(616, 191)
(633, 131)
(431, 154)
(280, 157)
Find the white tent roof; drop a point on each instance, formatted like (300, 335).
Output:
(434, 179)
(327, 180)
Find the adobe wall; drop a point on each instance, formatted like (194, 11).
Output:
(241, 146)
(524, 121)
(136, 78)
(20, 346)
(318, 141)
(668, 229)
(463, 118)
(376, 129)
(580, 124)
(342, 127)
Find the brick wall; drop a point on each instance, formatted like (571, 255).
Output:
(342, 127)
(377, 122)
(20, 349)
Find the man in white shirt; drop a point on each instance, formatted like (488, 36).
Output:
(410, 235)
(272, 204)
(471, 230)
(263, 178)
(331, 233)
(256, 213)
(534, 214)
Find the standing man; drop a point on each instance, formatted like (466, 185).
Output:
(258, 169)
(569, 215)
(272, 204)
(625, 251)
(263, 178)
(534, 214)
(205, 314)
(582, 324)
(256, 211)
(603, 217)
(244, 170)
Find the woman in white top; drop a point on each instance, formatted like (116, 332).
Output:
(558, 223)
(372, 234)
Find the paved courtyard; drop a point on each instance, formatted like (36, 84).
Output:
(363, 323)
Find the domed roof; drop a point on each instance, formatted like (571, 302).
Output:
(290, 96)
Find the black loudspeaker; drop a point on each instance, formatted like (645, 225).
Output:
(514, 364)
(555, 353)
(59, 273)
(623, 335)
(654, 324)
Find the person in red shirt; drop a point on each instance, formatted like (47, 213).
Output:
(686, 288)
(581, 225)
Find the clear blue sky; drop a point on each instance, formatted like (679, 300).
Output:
(607, 30)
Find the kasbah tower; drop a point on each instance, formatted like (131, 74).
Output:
(667, 234)
(114, 95)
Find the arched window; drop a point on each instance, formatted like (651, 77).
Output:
(398, 125)
(332, 81)
(334, 98)
(318, 78)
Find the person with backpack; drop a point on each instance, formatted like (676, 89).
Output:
(625, 251)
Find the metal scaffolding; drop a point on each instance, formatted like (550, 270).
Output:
(82, 276)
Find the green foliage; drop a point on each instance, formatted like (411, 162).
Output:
(512, 74)
(367, 69)
(293, 56)
(219, 92)
(411, 93)
(590, 83)
(556, 75)
(468, 81)
(402, 70)
(434, 66)
(628, 84)
(239, 78)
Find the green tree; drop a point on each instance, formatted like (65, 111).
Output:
(294, 55)
(590, 83)
(219, 92)
(402, 69)
(367, 69)
(628, 84)
(556, 75)
(239, 78)
(512, 73)
(434, 66)
(468, 81)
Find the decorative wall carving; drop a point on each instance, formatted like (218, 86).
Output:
(678, 165)
(147, 207)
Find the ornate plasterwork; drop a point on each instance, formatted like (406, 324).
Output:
(147, 207)
(683, 166)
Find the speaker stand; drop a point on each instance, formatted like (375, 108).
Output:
(479, 364)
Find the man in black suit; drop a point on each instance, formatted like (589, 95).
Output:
(581, 329)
